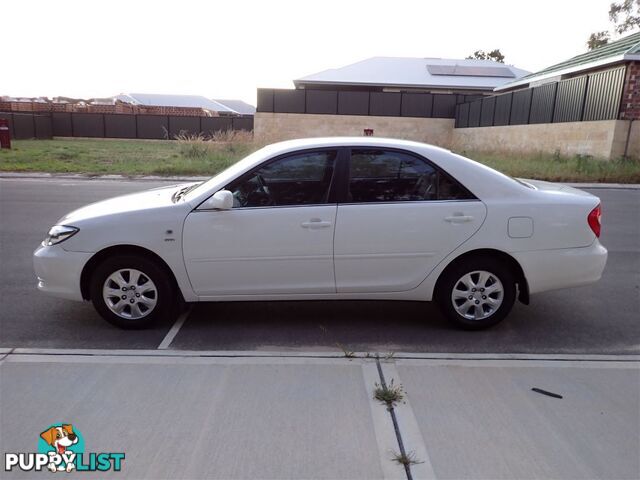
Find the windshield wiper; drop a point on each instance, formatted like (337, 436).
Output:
(184, 190)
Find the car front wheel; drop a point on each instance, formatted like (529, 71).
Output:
(477, 293)
(132, 292)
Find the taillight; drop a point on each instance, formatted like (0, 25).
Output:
(594, 220)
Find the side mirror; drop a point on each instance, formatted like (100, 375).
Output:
(221, 200)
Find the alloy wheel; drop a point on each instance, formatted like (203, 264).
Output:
(477, 295)
(130, 293)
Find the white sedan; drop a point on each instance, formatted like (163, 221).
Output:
(329, 219)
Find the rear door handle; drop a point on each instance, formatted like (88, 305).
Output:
(458, 218)
(315, 223)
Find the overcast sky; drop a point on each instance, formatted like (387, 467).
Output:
(225, 49)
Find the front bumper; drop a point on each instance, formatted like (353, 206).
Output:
(562, 268)
(58, 271)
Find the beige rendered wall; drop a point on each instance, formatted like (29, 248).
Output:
(633, 151)
(270, 127)
(604, 139)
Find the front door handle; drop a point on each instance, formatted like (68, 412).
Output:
(315, 223)
(458, 218)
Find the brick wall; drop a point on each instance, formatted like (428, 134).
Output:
(630, 105)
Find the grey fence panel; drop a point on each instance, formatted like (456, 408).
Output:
(265, 100)
(543, 99)
(471, 98)
(42, 126)
(604, 94)
(353, 103)
(322, 101)
(487, 111)
(475, 109)
(385, 104)
(463, 114)
(87, 124)
(8, 116)
(456, 123)
(520, 107)
(119, 126)
(152, 126)
(211, 125)
(502, 114)
(243, 123)
(23, 127)
(416, 105)
(61, 124)
(183, 126)
(444, 105)
(570, 100)
(289, 101)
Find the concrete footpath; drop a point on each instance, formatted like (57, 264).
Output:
(238, 415)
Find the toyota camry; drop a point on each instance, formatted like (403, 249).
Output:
(329, 218)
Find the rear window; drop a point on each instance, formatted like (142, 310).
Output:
(378, 175)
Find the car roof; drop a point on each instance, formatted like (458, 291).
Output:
(320, 142)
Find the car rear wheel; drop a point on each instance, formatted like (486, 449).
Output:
(132, 292)
(477, 293)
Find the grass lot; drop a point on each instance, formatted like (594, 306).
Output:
(125, 157)
(556, 168)
(198, 157)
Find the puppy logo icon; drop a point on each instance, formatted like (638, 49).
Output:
(60, 438)
(61, 448)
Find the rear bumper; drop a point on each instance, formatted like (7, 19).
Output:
(562, 268)
(58, 271)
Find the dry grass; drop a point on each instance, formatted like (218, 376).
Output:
(207, 155)
(184, 156)
(559, 168)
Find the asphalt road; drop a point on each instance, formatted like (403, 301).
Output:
(601, 318)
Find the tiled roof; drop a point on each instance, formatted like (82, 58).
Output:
(611, 52)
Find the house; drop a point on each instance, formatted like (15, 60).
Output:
(400, 74)
(586, 105)
(398, 97)
(177, 104)
(238, 106)
(620, 52)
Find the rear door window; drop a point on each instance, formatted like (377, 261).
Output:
(378, 175)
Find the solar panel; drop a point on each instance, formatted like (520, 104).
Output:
(470, 71)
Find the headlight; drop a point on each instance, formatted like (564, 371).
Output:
(59, 233)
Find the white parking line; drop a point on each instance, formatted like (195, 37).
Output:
(171, 334)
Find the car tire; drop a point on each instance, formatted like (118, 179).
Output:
(133, 292)
(488, 304)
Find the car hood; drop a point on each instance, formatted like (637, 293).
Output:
(135, 202)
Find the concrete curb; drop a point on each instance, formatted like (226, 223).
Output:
(157, 178)
(358, 355)
(82, 176)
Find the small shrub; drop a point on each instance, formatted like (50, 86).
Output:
(192, 146)
(405, 459)
(389, 394)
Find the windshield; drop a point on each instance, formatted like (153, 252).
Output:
(226, 175)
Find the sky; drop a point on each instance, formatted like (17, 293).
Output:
(227, 49)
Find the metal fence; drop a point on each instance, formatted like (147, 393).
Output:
(113, 125)
(588, 97)
(339, 102)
